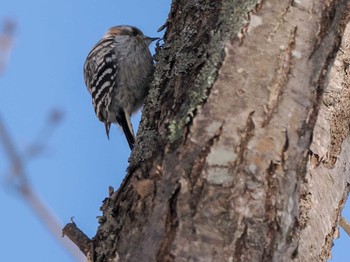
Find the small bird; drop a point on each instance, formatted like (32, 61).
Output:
(117, 73)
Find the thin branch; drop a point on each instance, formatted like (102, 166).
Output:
(345, 225)
(25, 190)
(6, 42)
(18, 172)
(39, 144)
(78, 237)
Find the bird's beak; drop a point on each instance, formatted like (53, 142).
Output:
(149, 40)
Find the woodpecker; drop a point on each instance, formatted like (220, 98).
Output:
(117, 73)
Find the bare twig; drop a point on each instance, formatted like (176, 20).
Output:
(78, 237)
(25, 190)
(17, 172)
(6, 42)
(345, 225)
(40, 143)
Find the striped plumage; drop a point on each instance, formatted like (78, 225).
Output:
(117, 72)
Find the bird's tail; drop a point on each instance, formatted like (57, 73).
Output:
(124, 121)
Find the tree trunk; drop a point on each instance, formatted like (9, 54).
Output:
(230, 165)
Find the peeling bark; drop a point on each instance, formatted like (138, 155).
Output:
(223, 167)
(327, 181)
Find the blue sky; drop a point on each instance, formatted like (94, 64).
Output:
(44, 73)
(78, 165)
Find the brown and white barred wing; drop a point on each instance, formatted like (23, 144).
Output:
(100, 72)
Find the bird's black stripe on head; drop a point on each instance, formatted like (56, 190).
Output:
(136, 32)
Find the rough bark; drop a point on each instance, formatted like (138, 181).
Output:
(224, 169)
(326, 185)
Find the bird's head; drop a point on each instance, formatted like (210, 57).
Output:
(131, 31)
